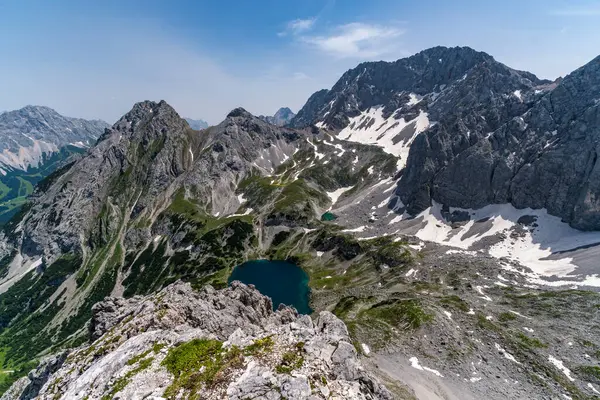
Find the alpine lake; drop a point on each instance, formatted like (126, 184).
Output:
(284, 282)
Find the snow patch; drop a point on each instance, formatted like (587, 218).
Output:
(414, 362)
(532, 250)
(365, 349)
(417, 247)
(520, 315)
(370, 127)
(335, 195)
(506, 354)
(483, 295)
(559, 364)
(383, 203)
(413, 99)
(410, 272)
(359, 229)
(517, 94)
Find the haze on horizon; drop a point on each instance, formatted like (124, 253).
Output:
(95, 60)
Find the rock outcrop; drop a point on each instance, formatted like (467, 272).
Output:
(226, 344)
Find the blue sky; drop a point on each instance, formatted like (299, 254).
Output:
(94, 59)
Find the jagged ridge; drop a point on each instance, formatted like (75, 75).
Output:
(255, 352)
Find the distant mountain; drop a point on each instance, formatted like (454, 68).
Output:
(34, 142)
(32, 131)
(197, 124)
(282, 117)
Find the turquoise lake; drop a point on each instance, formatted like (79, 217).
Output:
(284, 282)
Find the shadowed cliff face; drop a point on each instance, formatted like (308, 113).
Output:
(544, 157)
(492, 134)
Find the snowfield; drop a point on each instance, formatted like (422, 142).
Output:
(545, 244)
(395, 136)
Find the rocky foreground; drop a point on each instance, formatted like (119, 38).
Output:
(226, 344)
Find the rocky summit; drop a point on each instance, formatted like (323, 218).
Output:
(236, 346)
(442, 209)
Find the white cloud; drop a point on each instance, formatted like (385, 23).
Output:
(298, 26)
(357, 40)
(576, 11)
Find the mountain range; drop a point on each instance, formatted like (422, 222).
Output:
(443, 205)
(35, 141)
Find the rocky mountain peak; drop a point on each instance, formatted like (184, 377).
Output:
(383, 84)
(148, 109)
(149, 119)
(37, 109)
(283, 112)
(239, 112)
(282, 117)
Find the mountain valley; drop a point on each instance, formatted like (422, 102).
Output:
(444, 207)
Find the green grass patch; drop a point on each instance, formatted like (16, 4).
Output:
(484, 323)
(4, 190)
(455, 302)
(296, 199)
(590, 371)
(506, 316)
(260, 347)
(404, 314)
(291, 360)
(530, 342)
(198, 364)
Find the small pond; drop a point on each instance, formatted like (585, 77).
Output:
(284, 282)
